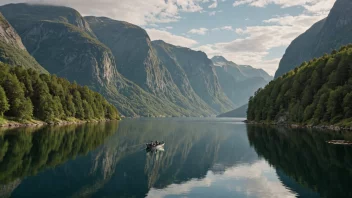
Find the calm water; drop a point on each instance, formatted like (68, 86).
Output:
(202, 158)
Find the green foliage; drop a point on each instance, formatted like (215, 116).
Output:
(4, 104)
(317, 92)
(48, 97)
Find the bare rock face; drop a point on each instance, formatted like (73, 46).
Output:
(323, 37)
(9, 35)
(239, 82)
(61, 40)
(198, 69)
(12, 50)
(152, 66)
(6, 190)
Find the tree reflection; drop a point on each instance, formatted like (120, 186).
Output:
(305, 156)
(27, 151)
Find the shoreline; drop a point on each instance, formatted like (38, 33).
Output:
(303, 126)
(38, 123)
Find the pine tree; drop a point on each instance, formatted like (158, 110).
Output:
(4, 105)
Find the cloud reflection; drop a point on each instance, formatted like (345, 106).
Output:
(246, 180)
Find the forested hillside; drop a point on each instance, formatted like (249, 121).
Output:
(27, 94)
(317, 92)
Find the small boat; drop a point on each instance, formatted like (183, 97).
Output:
(155, 145)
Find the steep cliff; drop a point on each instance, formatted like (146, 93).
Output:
(199, 70)
(323, 37)
(12, 50)
(138, 61)
(239, 82)
(61, 40)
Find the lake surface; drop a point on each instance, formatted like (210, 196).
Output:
(201, 158)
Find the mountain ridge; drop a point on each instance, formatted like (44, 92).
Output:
(323, 37)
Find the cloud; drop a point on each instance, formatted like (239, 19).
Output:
(134, 11)
(255, 42)
(226, 28)
(214, 4)
(229, 28)
(212, 13)
(200, 31)
(313, 6)
(168, 37)
(243, 180)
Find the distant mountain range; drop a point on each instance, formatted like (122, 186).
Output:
(239, 82)
(139, 76)
(323, 37)
(240, 112)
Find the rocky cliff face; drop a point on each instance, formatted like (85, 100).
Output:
(65, 46)
(239, 82)
(152, 66)
(27, 14)
(323, 37)
(12, 50)
(9, 35)
(198, 69)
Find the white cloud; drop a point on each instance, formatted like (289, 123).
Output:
(214, 4)
(313, 6)
(212, 13)
(255, 42)
(169, 27)
(229, 28)
(200, 31)
(134, 11)
(226, 28)
(170, 38)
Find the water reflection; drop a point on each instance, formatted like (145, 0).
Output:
(212, 158)
(305, 156)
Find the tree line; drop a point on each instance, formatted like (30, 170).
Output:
(317, 92)
(27, 94)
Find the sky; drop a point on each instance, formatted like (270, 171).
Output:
(248, 32)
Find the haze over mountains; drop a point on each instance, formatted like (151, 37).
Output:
(139, 76)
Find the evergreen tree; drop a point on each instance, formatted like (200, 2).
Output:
(25, 93)
(316, 92)
(4, 105)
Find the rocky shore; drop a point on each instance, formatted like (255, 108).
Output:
(323, 127)
(13, 124)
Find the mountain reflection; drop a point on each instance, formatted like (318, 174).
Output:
(201, 158)
(305, 156)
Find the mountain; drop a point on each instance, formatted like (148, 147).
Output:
(323, 37)
(317, 92)
(240, 112)
(138, 61)
(62, 41)
(241, 72)
(239, 82)
(194, 65)
(12, 50)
